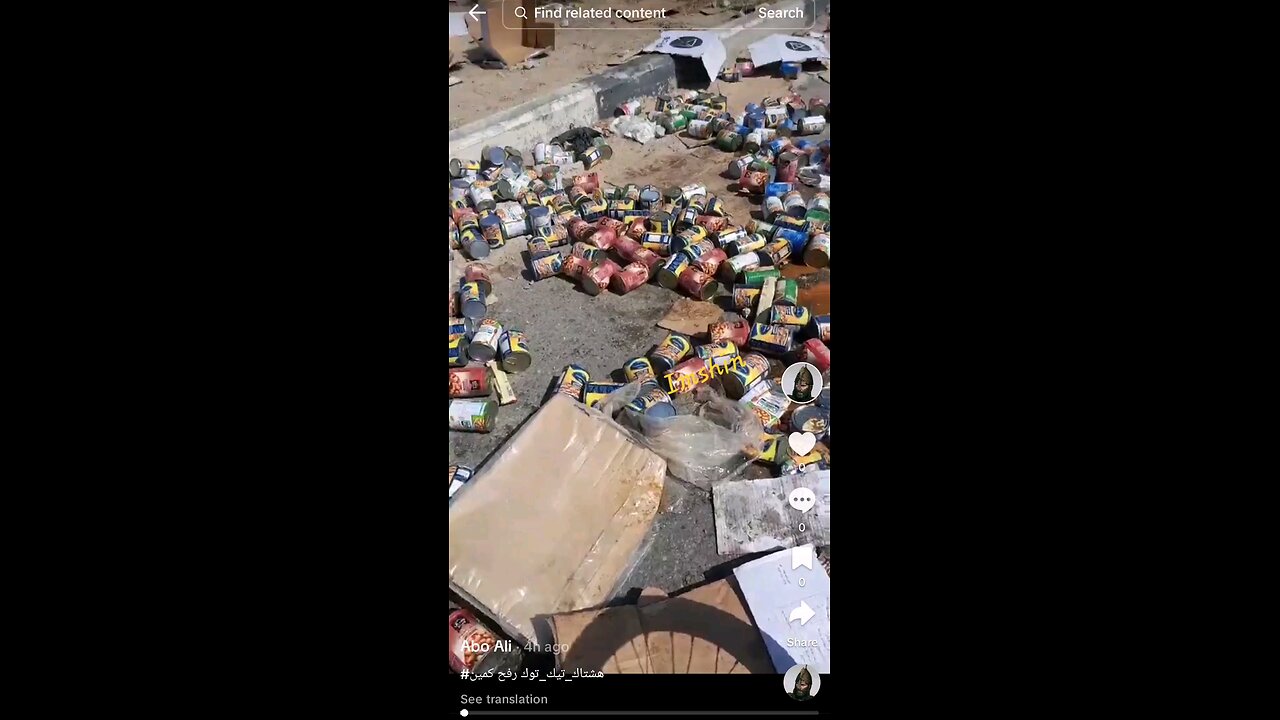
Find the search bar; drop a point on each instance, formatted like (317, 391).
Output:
(652, 15)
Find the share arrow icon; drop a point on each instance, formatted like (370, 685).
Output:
(803, 613)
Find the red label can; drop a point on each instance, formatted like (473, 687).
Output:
(788, 166)
(468, 382)
(713, 223)
(710, 262)
(587, 181)
(479, 274)
(650, 259)
(637, 229)
(753, 181)
(617, 227)
(626, 247)
(596, 280)
(699, 285)
(580, 229)
(815, 352)
(575, 266)
(629, 278)
(737, 332)
(603, 238)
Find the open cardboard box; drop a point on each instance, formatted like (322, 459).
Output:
(509, 38)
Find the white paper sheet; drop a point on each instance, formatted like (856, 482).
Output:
(772, 590)
(693, 43)
(787, 48)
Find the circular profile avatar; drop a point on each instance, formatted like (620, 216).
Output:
(801, 683)
(802, 383)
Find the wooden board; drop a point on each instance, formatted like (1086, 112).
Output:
(754, 515)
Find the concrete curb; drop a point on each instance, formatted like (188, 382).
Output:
(595, 97)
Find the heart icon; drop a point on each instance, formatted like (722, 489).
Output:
(802, 443)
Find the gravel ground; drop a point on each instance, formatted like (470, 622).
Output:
(565, 325)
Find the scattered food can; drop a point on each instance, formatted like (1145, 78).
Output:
(458, 190)
(595, 155)
(472, 415)
(818, 252)
(481, 196)
(671, 350)
(457, 329)
(471, 300)
(775, 116)
(637, 228)
(669, 273)
(699, 129)
(689, 192)
(778, 252)
(613, 225)
(743, 375)
(812, 125)
(653, 401)
(762, 228)
(631, 107)
(574, 267)
(603, 239)
(813, 419)
(458, 476)
(729, 140)
(595, 393)
(573, 380)
(688, 237)
(817, 106)
(484, 341)
(790, 70)
(638, 368)
(820, 201)
(816, 352)
(729, 237)
(619, 208)
(463, 168)
(593, 209)
(712, 223)
(544, 266)
(788, 167)
(491, 229)
(458, 351)
(513, 350)
(772, 206)
(630, 277)
(587, 252)
(684, 377)
(748, 244)
(720, 352)
(657, 242)
(822, 327)
(699, 249)
(738, 166)
(744, 297)
(661, 222)
(731, 74)
(478, 274)
(786, 292)
(710, 262)
(597, 279)
(699, 284)
(753, 182)
(649, 195)
(739, 264)
(756, 278)
(793, 204)
(772, 339)
(769, 406)
(736, 332)
(539, 217)
(467, 382)
(797, 315)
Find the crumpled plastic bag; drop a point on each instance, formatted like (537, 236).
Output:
(702, 448)
(636, 128)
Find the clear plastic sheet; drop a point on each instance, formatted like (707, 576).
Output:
(701, 447)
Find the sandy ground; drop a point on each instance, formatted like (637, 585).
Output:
(577, 54)
(565, 325)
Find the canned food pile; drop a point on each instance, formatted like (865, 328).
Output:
(736, 360)
(480, 348)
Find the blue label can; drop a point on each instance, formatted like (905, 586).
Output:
(796, 238)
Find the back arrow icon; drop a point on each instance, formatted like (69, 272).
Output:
(804, 613)
(473, 12)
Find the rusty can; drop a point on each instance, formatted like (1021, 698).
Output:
(700, 285)
(753, 182)
(712, 223)
(602, 239)
(574, 266)
(468, 382)
(544, 266)
(818, 252)
(650, 259)
(579, 229)
(743, 375)
(686, 376)
(744, 296)
(669, 273)
(652, 401)
(478, 274)
(471, 415)
(788, 166)
(670, 351)
(484, 341)
(626, 248)
(629, 278)
(573, 380)
(596, 280)
(637, 229)
(814, 351)
(737, 332)
(709, 263)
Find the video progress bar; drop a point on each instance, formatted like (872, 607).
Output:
(560, 712)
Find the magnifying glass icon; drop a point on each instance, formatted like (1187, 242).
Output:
(520, 13)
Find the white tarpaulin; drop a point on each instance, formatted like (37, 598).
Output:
(693, 43)
(787, 48)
